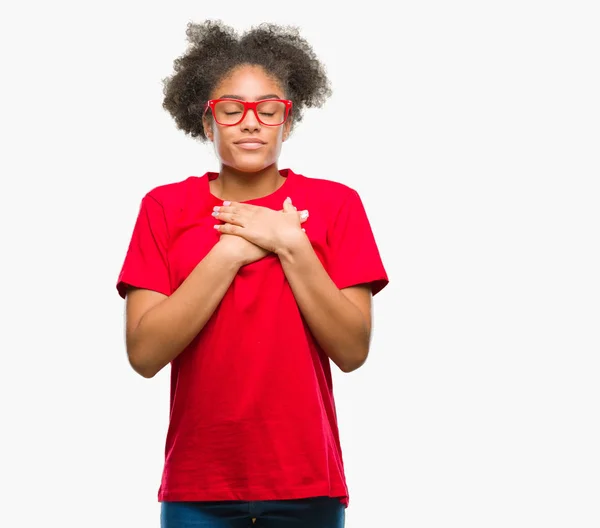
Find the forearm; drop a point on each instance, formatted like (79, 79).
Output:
(169, 327)
(337, 324)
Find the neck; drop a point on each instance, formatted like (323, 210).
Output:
(238, 186)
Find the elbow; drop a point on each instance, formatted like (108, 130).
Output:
(355, 362)
(142, 369)
(358, 356)
(140, 364)
(146, 373)
(140, 356)
(348, 367)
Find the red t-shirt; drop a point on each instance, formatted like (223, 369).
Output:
(252, 412)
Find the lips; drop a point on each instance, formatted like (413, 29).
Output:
(249, 144)
(249, 141)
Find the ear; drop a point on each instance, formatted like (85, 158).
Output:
(208, 130)
(287, 128)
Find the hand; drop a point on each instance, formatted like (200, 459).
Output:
(240, 250)
(271, 230)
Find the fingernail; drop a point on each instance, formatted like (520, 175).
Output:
(216, 226)
(288, 200)
(304, 215)
(226, 203)
(215, 213)
(216, 208)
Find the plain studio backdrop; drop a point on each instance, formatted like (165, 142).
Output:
(471, 131)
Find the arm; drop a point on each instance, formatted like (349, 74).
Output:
(161, 326)
(158, 328)
(340, 320)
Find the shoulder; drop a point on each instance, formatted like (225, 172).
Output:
(171, 193)
(172, 198)
(332, 198)
(328, 190)
(164, 205)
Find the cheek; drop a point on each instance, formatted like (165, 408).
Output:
(276, 138)
(275, 141)
(221, 142)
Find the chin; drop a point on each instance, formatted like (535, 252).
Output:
(245, 165)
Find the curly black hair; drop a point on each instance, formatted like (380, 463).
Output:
(215, 49)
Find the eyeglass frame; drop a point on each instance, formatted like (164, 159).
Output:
(248, 105)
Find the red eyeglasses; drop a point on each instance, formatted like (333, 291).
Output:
(230, 112)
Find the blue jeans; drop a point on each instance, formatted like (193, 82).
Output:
(316, 512)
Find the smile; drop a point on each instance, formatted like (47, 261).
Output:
(250, 146)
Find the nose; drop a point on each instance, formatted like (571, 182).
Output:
(250, 121)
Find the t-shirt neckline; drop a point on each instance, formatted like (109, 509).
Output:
(284, 188)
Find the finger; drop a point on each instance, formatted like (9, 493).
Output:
(284, 211)
(227, 209)
(288, 206)
(229, 229)
(230, 218)
(303, 216)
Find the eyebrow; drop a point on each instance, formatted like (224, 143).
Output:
(269, 96)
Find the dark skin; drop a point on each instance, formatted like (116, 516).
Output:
(247, 174)
(158, 327)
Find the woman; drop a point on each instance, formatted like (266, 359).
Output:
(248, 282)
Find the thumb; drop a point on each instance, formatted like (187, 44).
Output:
(287, 205)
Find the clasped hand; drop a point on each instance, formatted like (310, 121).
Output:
(269, 230)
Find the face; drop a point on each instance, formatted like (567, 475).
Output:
(249, 83)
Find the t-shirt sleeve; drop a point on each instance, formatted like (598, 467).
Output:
(146, 263)
(354, 256)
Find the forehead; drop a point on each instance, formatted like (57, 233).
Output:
(248, 82)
